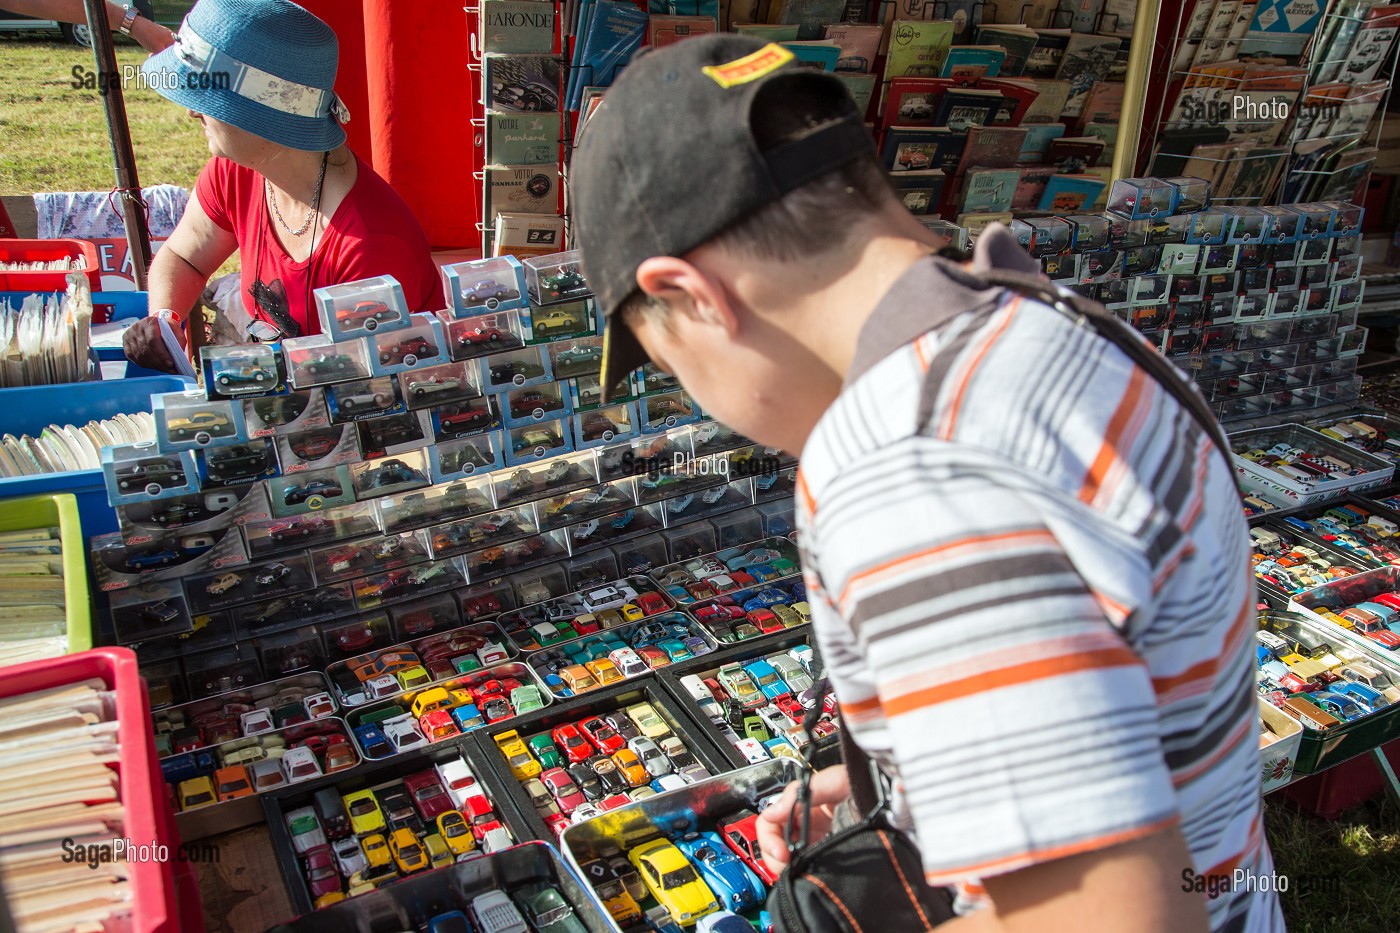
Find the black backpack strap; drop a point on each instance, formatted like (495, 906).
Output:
(1091, 314)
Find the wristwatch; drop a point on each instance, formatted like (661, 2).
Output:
(168, 314)
(128, 20)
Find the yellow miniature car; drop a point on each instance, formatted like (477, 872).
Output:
(365, 815)
(429, 700)
(631, 767)
(412, 677)
(438, 852)
(376, 852)
(196, 792)
(452, 827)
(329, 898)
(522, 765)
(632, 613)
(604, 670)
(407, 852)
(672, 880)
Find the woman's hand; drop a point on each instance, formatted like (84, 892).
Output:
(829, 787)
(144, 345)
(152, 36)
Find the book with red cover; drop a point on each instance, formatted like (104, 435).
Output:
(1019, 95)
(913, 101)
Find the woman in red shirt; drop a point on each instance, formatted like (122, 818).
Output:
(282, 189)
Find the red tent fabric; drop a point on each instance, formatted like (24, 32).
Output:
(403, 74)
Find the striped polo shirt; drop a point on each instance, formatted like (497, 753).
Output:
(1029, 578)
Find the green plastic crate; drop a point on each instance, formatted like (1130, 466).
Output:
(61, 510)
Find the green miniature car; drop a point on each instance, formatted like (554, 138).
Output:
(543, 748)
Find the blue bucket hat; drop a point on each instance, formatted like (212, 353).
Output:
(264, 66)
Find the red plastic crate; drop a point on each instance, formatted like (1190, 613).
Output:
(141, 787)
(1330, 793)
(44, 251)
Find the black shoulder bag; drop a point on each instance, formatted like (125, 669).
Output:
(868, 877)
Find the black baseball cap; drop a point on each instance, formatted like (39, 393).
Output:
(670, 159)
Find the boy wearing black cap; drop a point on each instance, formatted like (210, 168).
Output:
(1026, 561)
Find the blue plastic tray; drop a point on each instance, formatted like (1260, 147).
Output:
(30, 410)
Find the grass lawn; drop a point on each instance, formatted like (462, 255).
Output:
(55, 136)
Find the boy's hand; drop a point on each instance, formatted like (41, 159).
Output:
(829, 787)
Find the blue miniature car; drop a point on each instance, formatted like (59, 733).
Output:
(761, 572)
(764, 598)
(767, 679)
(1342, 707)
(1368, 698)
(454, 921)
(734, 884)
(467, 717)
(184, 767)
(373, 742)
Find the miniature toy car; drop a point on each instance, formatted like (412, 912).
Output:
(566, 283)
(407, 350)
(488, 292)
(365, 314)
(297, 494)
(672, 881)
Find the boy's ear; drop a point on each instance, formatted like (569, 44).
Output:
(687, 289)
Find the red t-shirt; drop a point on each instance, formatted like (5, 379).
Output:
(372, 232)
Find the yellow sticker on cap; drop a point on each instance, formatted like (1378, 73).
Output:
(751, 67)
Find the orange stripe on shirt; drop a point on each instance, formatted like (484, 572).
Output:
(1036, 856)
(952, 418)
(1108, 450)
(1013, 675)
(940, 551)
(1207, 669)
(808, 502)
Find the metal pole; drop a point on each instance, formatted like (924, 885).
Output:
(1134, 88)
(138, 238)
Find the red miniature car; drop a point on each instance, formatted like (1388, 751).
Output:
(1388, 600)
(787, 704)
(575, 747)
(486, 334)
(650, 603)
(765, 621)
(414, 345)
(416, 623)
(477, 606)
(586, 624)
(464, 419)
(741, 579)
(355, 640)
(718, 612)
(366, 314)
(314, 447)
(740, 833)
(557, 822)
(321, 875)
(564, 790)
(604, 736)
(429, 799)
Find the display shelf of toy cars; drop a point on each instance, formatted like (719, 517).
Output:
(1289, 558)
(621, 653)
(1293, 465)
(464, 698)
(1260, 306)
(724, 721)
(608, 701)
(461, 762)
(1373, 432)
(723, 804)
(1330, 648)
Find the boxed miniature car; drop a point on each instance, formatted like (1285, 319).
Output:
(466, 456)
(520, 407)
(311, 491)
(398, 473)
(363, 398)
(574, 358)
(322, 447)
(419, 346)
(491, 529)
(536, 480)
(564, 508)
(1139, 198)
(240, 371)
(586, 393)
(666, 410)
(283, 535)
(438, 385)
(238, 465)
(395, 434)
(555, 277)
(1209, 226)
(536, 442)
(140, 472)
(562, 321)
(320, 360)
(1192, 194)
(1250, 225)
(495, 284)
(278, 414)
(605, 425)
(152, 610)
(482, 334)
(515, 369)
(189, 421)
(365, 306)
